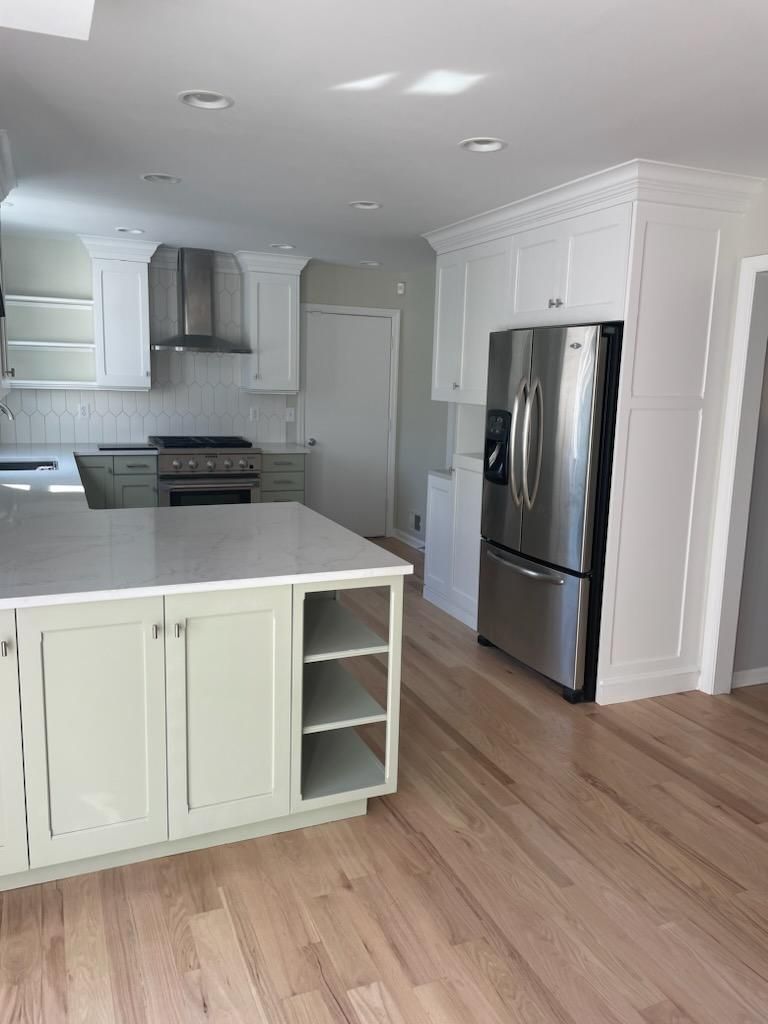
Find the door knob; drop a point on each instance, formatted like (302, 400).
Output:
(311, 441)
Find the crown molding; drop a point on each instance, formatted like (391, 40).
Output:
(103, 247)
(270, 263)
(635, 180)
(166, 258)
(7, 173)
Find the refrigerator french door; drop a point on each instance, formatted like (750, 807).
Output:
(549, 428)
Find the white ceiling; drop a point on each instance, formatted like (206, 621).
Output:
(573, 87)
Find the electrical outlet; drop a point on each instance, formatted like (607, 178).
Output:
(253, 414)
(416, 519)
(83, 411)
(401, 287)
(290, 414)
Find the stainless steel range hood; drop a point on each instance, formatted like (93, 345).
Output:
(196, 322)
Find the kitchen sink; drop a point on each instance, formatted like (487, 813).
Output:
(26, 465)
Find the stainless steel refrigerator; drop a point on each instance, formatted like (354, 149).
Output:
(547, 456)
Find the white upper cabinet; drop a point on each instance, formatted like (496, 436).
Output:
(471, 301)
(271, 318)
(13, 819)
(121, 311)
(573, 271)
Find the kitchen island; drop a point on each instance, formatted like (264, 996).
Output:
(174, 678)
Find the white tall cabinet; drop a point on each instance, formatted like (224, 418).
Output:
(121, 311)
(653, 245)
(271, 318)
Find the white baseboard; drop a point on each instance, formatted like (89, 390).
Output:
(639, 687)
(749, 677)
(469, 618)
(411, 539)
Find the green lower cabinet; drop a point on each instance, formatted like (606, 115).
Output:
(283, 496)
(228, 665)
(93, 714)
(13, 819)
(135, 491)
(97, 476)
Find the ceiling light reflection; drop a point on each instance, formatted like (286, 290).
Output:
(444, 83)
(367, 84)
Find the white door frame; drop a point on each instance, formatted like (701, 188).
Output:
(394, 366)
(734, 489)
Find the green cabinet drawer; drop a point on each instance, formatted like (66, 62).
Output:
(274, 462)
(283, 496)
(282, 481)
(129, 464)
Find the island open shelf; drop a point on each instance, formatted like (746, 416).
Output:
(330, 760)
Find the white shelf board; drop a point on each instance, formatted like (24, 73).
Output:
(48, 301)
(338, 762)
(334, 699)
(332, 631)
(58, 385)
(71, 346)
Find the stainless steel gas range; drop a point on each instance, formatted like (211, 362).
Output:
(207, 470)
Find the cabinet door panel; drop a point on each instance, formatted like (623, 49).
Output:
(97, 479)
(272, 306)
(449, 326)
(93, 705)
(465, 570)
(437, 558)
(121, 323)
(538, 272)
(13, 819)
(597, 263)
(229, 683)
(487, 298)
(135, 491)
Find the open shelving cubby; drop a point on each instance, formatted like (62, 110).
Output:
(332, 761)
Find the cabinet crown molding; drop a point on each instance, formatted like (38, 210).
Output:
(102, 247)
(7, 173)
(635, 180)
(270, 263)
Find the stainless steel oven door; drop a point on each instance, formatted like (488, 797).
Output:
(229, 491)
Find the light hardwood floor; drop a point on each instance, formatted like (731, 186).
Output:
(541, 864)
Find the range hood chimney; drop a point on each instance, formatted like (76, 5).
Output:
(195, 291)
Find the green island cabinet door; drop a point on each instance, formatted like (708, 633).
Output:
(137, 491)
(93, 721)
(13, 820)
(228, 665)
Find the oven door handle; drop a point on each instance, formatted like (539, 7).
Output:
(208, 484)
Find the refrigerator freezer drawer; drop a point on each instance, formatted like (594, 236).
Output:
(537, 615)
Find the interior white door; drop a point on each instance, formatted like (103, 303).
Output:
(347, 417)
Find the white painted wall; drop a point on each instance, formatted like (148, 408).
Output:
(752, 634)
(421, 422)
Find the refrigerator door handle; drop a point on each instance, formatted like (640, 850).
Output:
(544, 575)
(522, 395)
(536, 395)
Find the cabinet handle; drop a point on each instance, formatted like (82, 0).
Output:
(550, 304)
(177, 630)
(557, 303)
(137, 465)
(278, 463)
(455, 387)
(155, 632)
(3, 648)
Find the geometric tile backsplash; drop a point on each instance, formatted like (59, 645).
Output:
(192, 393)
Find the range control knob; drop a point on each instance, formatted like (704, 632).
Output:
(243, 464)
(176, 464)
(210, 464)
(227, 463)
(192, 463)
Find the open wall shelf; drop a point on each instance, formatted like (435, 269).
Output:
(334, 699)
(332, 631)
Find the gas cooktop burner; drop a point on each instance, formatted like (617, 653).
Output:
(180, 441)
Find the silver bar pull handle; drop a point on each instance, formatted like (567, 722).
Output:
(177, 630)
(544, 575)
(155, 632)
(3, 648)
(536, 395)
(522, 395)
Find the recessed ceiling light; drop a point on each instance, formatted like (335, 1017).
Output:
(130, 231)
(369, 263)
(204, 99)
(157, 178)
(365, 204)
(283, 246)
(483, 144)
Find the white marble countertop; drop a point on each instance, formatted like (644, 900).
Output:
(55, 550)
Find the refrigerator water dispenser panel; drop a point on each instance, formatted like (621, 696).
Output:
(498, 423)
